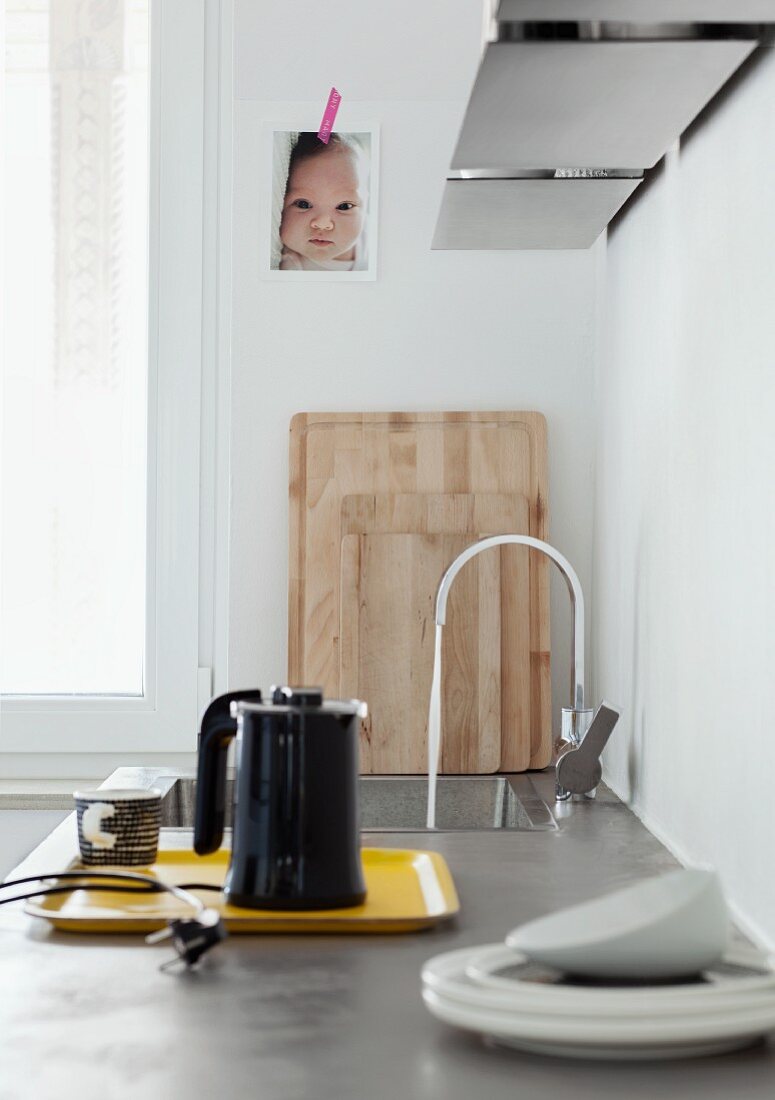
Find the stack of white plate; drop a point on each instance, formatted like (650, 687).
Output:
(496, 992)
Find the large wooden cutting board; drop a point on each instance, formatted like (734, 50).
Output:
(380, 505)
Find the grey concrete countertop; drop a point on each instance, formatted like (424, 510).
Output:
(330, 1017)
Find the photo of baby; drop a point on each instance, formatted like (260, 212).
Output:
(323, 199)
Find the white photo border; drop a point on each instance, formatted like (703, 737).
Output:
(269, 129)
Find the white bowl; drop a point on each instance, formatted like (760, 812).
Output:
(667, 927)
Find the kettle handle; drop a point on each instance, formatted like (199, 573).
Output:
(218, 729)
(211, 786)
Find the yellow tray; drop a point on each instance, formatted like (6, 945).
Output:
(406, 890)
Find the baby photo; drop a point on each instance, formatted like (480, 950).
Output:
(323, 204)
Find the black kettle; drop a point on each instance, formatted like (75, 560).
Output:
(295, 841)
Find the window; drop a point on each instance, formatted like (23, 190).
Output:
(75, 363)
(101, 374)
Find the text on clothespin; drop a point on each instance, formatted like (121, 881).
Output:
(329, 116)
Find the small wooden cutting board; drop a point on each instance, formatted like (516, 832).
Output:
(380, 506)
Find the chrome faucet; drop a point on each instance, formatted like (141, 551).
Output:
(580, 773)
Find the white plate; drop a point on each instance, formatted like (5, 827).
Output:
(470, 997)
(725, 986)
(658, 1053)
(470, 976)
(602, 1041)
(653, 1025)
(620, 1023)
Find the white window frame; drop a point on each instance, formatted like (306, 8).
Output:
(165, 718)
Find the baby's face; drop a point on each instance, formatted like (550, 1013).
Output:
(324, 206)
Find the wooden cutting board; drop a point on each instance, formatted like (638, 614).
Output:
(380, 506)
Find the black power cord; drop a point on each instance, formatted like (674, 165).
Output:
(191, 938)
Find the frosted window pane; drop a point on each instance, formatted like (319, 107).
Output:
(74, 343)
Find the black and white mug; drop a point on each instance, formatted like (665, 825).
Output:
(118, 827)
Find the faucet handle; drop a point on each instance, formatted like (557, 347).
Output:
(578, 768)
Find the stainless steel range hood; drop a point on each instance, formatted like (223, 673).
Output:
(513, 213)
(566, 116)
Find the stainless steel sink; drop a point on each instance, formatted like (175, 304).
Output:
(398, 803)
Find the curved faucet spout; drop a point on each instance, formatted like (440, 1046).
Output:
(574, 589)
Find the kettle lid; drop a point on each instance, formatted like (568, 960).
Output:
(296, 696)
(285, 699)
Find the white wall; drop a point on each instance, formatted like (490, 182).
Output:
(21, 831)
(438, 330)
(685, 519)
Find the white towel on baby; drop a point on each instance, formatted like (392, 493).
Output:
(284, 141)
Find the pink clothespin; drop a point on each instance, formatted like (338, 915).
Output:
(329, 116)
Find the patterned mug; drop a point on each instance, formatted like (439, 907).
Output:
(118, 827)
